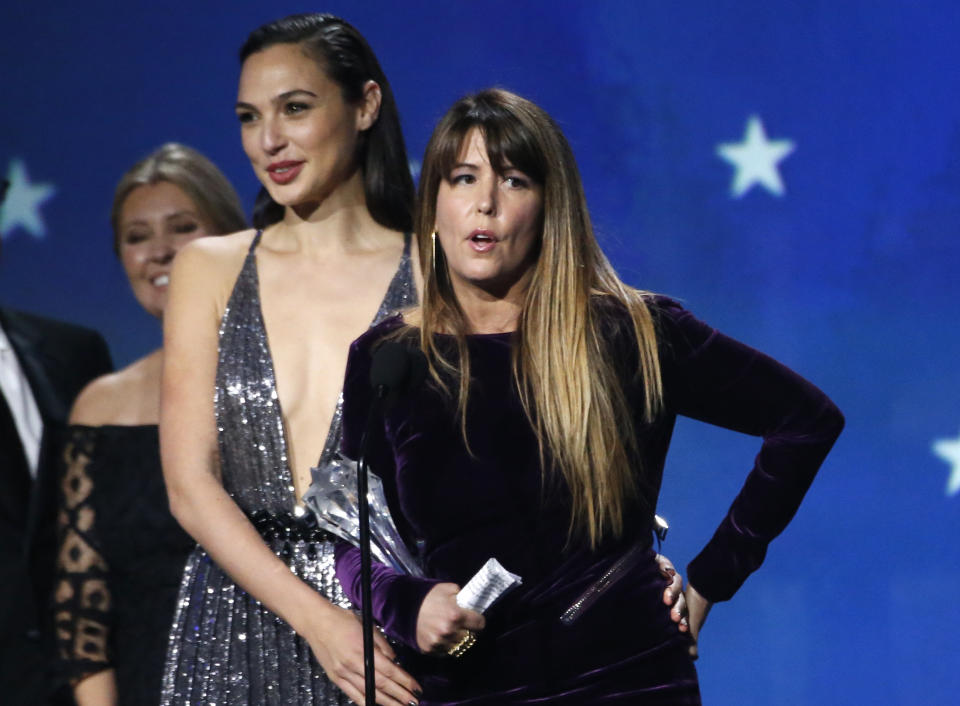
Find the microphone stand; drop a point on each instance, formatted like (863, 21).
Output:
(394, 368)
(363, 511)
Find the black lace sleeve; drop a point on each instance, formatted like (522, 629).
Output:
(82, 605)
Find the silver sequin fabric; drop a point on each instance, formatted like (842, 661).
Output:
(225, 647)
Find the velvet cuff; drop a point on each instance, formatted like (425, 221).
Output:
(396, 597)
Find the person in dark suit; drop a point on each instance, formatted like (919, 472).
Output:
(43, 366)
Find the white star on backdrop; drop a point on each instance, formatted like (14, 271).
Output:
(22, 205)
(755, 159)
(949, 451)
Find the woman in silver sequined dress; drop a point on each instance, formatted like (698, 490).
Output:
(257, 332)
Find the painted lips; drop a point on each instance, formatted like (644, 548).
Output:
(284, 172)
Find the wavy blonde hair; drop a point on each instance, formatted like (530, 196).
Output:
(565, 377)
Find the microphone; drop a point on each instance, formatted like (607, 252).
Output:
(395, 371)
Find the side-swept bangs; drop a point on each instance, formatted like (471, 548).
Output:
(509, 142)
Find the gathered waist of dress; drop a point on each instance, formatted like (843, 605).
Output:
(289, 527)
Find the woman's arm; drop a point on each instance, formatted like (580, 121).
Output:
(401, 605)
(82, 626)
(716, 379)
(199, 502)
(698, 608)
(98, 689)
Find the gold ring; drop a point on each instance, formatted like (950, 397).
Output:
(466, 642)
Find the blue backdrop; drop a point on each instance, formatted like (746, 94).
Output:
(790, 170)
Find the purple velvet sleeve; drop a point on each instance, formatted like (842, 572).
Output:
(718, 380)
(396, 597)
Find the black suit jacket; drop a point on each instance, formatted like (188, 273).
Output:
(58, 360)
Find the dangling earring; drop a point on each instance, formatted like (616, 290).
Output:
(433, 242)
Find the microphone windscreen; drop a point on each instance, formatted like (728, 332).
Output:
(418, 369)
(390, 366)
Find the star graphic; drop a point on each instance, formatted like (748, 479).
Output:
(755, 159)
(22, 205)
(949, 451)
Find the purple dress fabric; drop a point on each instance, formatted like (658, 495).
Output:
(461, 509)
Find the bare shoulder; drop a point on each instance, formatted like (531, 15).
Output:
(209, 266)
(119, 397)
(216, 253)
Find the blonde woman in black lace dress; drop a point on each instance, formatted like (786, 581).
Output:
(121, 550)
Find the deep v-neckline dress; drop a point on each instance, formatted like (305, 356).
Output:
(225, 647)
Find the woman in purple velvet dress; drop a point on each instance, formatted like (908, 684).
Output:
(540, 436)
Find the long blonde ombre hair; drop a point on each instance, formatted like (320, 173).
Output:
(564, 373)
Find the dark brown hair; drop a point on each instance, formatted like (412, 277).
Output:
(346, 58)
